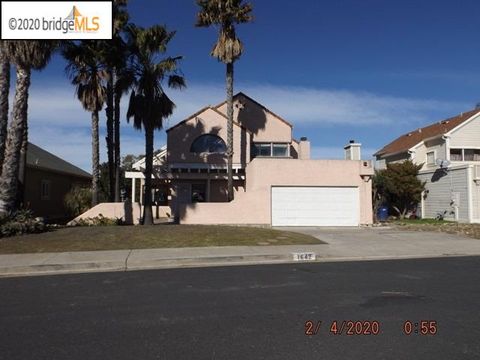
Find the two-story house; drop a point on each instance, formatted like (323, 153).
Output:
(275, 181)
(450, 153)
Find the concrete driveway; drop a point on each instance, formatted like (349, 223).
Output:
(371, 243)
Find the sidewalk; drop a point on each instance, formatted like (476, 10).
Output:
(354, 244)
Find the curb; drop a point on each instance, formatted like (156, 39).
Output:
(190, 262)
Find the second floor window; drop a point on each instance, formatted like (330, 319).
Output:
(431, 158)
(270, 150)
(208, 143)
(464, 154)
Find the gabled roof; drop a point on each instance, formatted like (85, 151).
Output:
(413, 138)
(159, 158)
(258, 104)
(42, 159)
(214, 109)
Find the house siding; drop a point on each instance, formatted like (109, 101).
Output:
(475, 201)
(467, 135)
(436, 145)
(441, 189)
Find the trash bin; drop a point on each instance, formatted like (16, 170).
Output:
(382, 213)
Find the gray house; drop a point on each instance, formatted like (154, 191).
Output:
(450, 153)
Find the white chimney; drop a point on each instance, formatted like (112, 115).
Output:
(304, 149)
(352, 151)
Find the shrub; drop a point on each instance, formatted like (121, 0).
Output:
(20, 222)
(99, 220)
(78, 200)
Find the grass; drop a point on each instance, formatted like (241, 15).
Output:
(147, 237)
(450, 227)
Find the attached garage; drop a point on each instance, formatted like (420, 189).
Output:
(315, 206)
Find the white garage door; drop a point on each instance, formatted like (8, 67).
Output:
(315, 206)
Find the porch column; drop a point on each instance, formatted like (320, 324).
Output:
(133, 189)
(142, 183)
(208, 190)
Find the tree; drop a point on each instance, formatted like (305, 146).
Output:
(114, 54)
(228, 48)
(25, 55)
(4, 92)
(399, 185)
(149, 105)
(88, 75)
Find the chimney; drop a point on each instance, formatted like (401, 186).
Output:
(304, 149)
(352, 151)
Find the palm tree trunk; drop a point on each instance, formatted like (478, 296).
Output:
(109, 138)
(95, 158)
(22, 169)
(11, 163)
(118, 97)
(230, 131)
(147, 209)
(4, 91)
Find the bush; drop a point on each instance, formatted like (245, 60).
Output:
(78, 200)
(99, 220)
(20, 222)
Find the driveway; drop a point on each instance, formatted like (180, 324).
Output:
(387, 243)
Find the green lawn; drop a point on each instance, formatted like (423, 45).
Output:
(147, 237)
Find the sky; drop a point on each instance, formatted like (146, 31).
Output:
(336, 69)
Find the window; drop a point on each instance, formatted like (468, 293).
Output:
(270, 150)
(280, 150)
(464, 154)
(45, 190)
(199, 192)
(208, 144)
(431, 158)
(456, 155)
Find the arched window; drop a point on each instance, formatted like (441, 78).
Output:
(208, 144)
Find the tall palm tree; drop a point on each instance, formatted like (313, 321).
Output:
(149, 105)
(114, 57)
(89, 77)
(26, 55)
(224, 14)
(4, 92)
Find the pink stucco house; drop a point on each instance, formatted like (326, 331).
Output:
(276, 183)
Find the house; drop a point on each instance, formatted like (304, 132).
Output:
(48, 179)
(275, 181)
(450, 153)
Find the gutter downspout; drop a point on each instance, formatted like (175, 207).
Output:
(470, 193)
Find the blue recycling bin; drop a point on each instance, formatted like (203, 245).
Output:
(382, 213)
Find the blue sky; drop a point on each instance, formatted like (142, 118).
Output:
(337, 69)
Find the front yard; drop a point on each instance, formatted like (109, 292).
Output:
(450, 227)
(147, 237)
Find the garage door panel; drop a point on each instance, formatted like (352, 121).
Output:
(315, 206)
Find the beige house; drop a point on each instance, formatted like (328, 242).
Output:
(275, 181)
(450, 153)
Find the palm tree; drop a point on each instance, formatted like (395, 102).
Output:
(88, 75)
(228, 48)
(26, 55)
(4, 91)
(149, 105)
(114, 56)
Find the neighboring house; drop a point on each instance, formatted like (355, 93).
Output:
(450, 153)
(275, 181)
(47, 180)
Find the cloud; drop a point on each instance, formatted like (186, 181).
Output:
(302, 105)
(59, 124)
(334, 153)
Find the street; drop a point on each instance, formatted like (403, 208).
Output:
(248, 312)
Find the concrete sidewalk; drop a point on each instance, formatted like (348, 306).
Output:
(351, 244)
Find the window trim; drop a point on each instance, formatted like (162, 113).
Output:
(271, 143)
(45, 195)
(208, 152)
(462, 150)
(434, 152)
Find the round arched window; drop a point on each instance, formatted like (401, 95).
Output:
(208, 144)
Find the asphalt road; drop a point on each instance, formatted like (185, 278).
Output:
(252, 312)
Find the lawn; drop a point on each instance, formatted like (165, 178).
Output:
(451, 227)
(148, 237)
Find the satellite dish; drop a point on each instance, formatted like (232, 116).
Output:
(443, 163)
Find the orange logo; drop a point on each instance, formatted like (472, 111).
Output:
(83, 23)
